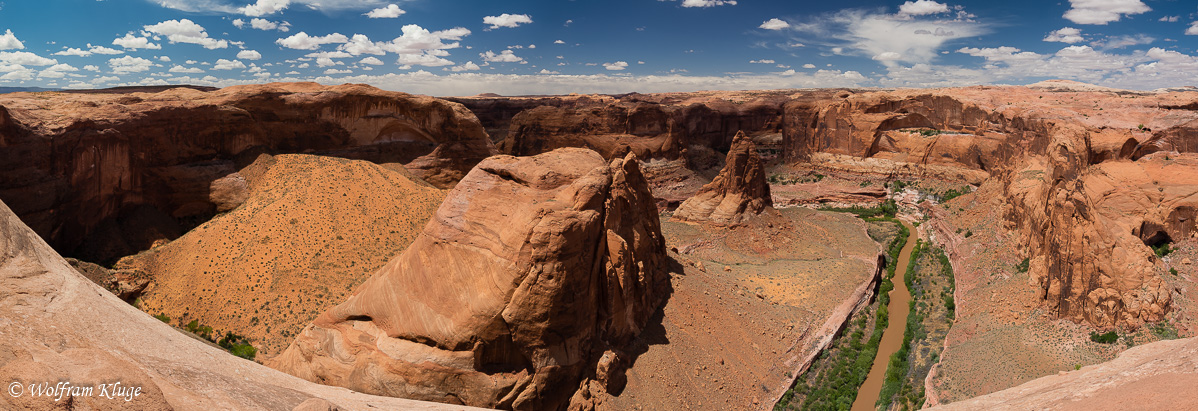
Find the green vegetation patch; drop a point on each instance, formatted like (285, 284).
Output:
(838, 372)
(1106, 338)
(233, 343)
(954, 193)
(886, 209)
(929, 277)
(1023, 265)
(1162, 249)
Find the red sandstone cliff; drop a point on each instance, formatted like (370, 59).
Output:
(103, 175)
(1080, 185)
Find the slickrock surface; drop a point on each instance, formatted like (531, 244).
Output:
(310, 230)
(520, 293)
(1157, 376)
(103, 175)
(739, 192)
(55, 325)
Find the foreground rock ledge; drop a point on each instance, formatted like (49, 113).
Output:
(530, 276)
(57, 326)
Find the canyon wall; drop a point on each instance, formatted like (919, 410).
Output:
(102, 175)
(1087, 185)
(658, 125)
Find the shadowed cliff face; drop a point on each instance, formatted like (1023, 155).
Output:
(1086, 187)
(651, 125)
(80, 167)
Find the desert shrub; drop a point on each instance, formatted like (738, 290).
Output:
(954, 193)
(238, 345)
(1106, 338)
(1023, 265)
(1162, 249)
(162, 317)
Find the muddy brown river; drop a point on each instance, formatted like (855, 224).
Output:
(892, 338)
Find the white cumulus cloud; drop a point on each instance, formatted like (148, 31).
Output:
(468, 66)
(249, 55)
(507, 20)
(1193, 30)
(762, 61)
(302, 41)
(870, 34)
(774, 24)
(186, 31)
(132, 42)
(264, 24)
(1065, 35)
(222, 64)
(389, 12)
(129, 64)
(181, 69)
(56, 71)
(8, 41)
(704, 3)
(922, 8)
(265, 7)
(617, 66)
(506, 56)
(25, 58)
(1103, 11)
(430, 59)
(374, 61)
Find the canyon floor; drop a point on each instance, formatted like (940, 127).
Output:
(749, 309)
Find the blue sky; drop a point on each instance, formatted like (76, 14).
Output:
(447, 47)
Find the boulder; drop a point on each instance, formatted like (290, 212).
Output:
(531, 269)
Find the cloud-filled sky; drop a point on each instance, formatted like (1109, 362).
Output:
(464, 47)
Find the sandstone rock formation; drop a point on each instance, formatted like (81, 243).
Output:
(737, 193)
(72, 164)
(1156, 376)
(309, 230)
(126, 284)
(532, 270)
(57, 326)
(1086, 191)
